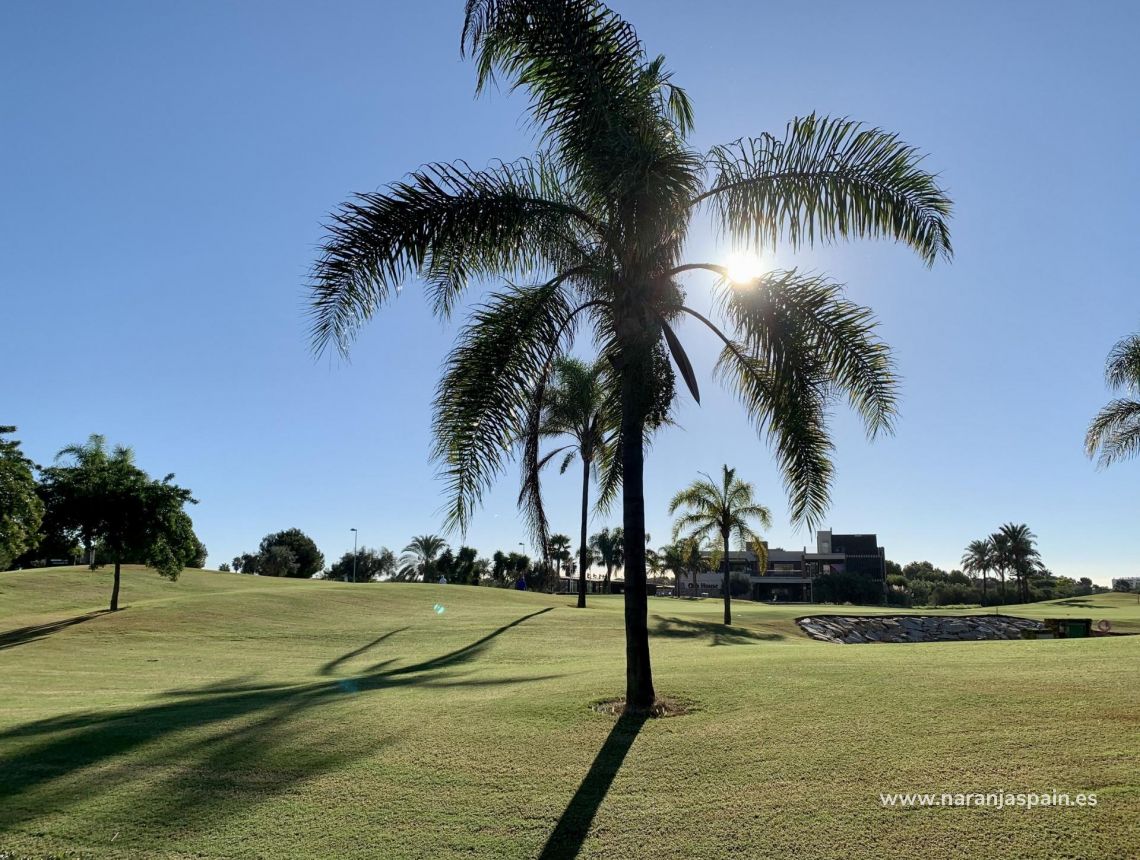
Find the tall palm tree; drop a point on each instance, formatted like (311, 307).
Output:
(420, 556)
(979, 558)
(1115, 431)
(581, 405)
(594, 227)
(1002, 557)
(560, 550)
(1022, 555)
(721, 508)
(609, 549)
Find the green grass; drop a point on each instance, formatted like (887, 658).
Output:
(231, 716)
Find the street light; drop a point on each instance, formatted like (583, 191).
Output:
(354, 536)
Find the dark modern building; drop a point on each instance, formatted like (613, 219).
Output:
(790, 573)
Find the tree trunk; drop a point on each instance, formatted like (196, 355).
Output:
(583, 549)
(639, 693)
(115, 590)
(727, 595)
(983, 588)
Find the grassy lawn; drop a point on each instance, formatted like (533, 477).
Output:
(233, 716)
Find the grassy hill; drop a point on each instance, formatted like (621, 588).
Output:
(233, 716)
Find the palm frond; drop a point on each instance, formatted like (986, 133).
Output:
(791, 409)
(1123, 368)
(447, 224)
(827, 179)
(1114, 432)
(785, 317)
(484, 398)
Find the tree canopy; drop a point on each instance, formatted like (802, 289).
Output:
(21, 509)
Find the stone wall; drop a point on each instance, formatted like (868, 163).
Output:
(854, 629)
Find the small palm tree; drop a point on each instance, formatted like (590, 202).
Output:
(420, 556)
(1002, 558)
(979, 558)
(1115, 431)
(582, 406)
(724, 509)
(1021, 554)
(596, 223)
(609, 549)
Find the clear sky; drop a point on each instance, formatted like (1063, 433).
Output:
(166, 166)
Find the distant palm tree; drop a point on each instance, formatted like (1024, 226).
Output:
(579, 404)
(979, 558)
(560, 550)
(596, 224)
(1021, 555)
(420, 556)
(609, 549)
(1003, 560)
(1115, 431)
(721, 508)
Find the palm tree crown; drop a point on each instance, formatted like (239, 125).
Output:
(592, 230)
(721, 509)
(1115, 431)
(420, 556)
(979, 558)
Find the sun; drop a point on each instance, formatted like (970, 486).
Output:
(743, 267)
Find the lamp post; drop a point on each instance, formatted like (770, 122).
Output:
(354, 536)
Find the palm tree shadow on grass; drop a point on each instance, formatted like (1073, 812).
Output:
(718, 634)
(574, 826)
(217, 774)
(23, 635)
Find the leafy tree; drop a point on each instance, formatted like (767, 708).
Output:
(1114, 433)
(278, 560)
(372, 565)
(102, 498)
(1122, 585)
(608, 547)
(721, 509)
(308, 559)
(246, 562)
(21, 509)
(979, 559)
(223, 567)
(599, 218)
(419, 559)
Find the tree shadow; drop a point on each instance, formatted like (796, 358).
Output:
(218, 773)
(574, 826)
(23, 635)
(717, 634)
(331, 666)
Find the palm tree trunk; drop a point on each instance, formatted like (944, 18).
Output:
(583, 548)
(639, 693)
(115, 589)
(727, 595)
(983, 586)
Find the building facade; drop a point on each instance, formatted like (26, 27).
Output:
(790, 574)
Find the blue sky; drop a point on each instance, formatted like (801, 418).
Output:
(166, 168)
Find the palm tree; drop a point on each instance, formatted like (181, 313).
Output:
(723, 509)
(591, 232)
(979, 558)
(609, 549)
(1021, 555)
(560, 550)
(1003, 561)
(1115, 431)
(420, 556)
(579, 404)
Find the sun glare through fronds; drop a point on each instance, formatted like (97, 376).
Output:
(744, 267)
